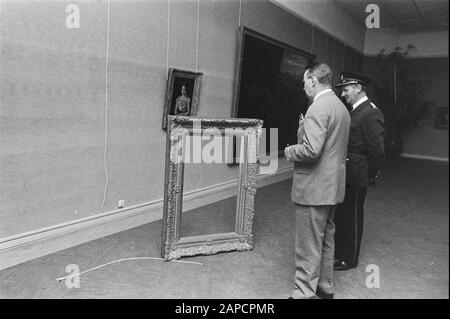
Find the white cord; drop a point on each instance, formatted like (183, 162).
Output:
(343, 59)
(106, 108)
(198, 22)
(168, 39)
(123, 259)
(240, 5)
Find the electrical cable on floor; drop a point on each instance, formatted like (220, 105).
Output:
(123, 259)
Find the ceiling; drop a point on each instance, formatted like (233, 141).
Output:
(404, 15)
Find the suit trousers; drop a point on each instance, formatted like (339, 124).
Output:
(349, 222)
(314, 250)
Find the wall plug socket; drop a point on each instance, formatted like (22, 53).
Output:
(121, 203)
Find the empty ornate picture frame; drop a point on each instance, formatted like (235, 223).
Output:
(182, 94)
(179, 127)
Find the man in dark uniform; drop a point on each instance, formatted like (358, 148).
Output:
(365, 156)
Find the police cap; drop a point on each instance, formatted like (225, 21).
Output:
(353, 78)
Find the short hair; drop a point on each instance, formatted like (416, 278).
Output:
(362, 86)
(322, 72)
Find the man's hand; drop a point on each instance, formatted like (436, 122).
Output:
(286, 151)
(373, 180)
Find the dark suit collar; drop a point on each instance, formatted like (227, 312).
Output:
(360, 107)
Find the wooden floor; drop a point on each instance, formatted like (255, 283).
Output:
(406, 239)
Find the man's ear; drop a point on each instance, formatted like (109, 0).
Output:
(314, 80)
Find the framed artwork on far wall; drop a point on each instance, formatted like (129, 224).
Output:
(268, 85)
(182, 94)
(442, 117)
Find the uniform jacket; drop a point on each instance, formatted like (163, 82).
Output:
(320, 155)
(366, 144)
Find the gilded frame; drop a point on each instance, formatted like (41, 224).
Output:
(174, 247)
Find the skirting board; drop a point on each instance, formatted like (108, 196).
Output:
(425, 157)
(27, 246)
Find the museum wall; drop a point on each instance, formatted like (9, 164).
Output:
(329, 17)
(53, 109)
(76, 136)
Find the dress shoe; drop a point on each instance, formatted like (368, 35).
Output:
(323, 295)
(313, 297)
(343, 265)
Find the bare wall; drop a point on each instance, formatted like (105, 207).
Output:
(327, 16)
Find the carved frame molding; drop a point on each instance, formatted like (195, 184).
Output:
(174, 247)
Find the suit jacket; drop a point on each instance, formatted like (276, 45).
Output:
(366, 144)
(320, 155)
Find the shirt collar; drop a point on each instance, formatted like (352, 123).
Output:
(360, 101)
(322, 93)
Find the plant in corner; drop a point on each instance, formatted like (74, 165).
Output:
(399, 97)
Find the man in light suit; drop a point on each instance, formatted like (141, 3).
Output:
(319, 183)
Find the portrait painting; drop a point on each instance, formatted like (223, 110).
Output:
(182, 94)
